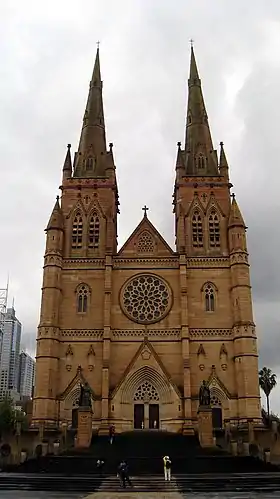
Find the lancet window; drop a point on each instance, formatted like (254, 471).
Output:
(82, 298)
(77, 231)
(94, 231)
(214, 230)
(197, 230)
(209, 297)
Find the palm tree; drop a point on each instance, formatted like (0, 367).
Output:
(267, 381)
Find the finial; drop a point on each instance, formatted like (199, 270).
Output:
(233, 196)
(69, 146)
(57, 198)
(221, 144)
(191, 42)
(98, 43)
(145, 209)
(179, 145)
(111, 146)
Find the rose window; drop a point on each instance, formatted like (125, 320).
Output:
(146, 391)
(146, 299)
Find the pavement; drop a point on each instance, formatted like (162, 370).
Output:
(128, 495)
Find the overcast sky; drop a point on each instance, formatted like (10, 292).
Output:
(47, 51)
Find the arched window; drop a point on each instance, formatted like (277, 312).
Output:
(82, 298)
(197, 231)
(89, 163)
(200, 162)
(214, 230)
(77, 231)
(209, 297)
(93, 231)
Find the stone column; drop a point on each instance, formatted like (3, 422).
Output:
(84, 427)
(205, 426)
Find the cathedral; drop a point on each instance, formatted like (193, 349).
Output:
(145, 324)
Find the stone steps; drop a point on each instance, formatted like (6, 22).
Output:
(204, 483)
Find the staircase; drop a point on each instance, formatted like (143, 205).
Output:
(193, 468)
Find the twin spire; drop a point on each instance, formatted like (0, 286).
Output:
(197, 159)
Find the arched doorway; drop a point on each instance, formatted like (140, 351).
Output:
(146, 407)
(217, 412)
(75, 414)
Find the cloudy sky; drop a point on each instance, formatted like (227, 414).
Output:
(47, 52)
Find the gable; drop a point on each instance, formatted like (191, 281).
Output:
(145, 241)
(145, 365)
(74, 385)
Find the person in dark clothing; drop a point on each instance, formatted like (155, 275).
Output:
(100, 465)
(123, 474)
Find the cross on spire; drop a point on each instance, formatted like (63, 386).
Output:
(191, 42)
(98, 44)
(145, 209)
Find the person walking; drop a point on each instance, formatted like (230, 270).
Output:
(167, 468)
(124, 474)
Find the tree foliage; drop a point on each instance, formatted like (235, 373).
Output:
(267, 381)
(9, 416)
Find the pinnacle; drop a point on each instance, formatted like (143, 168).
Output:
(56, 218)
(235, 217)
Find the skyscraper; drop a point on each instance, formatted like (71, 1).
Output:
(9, 364)
(26, 375)
(145, 324)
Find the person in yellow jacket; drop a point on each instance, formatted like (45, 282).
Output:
(167, 468)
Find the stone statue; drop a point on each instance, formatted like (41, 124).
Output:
(204, 394)
(85, 395)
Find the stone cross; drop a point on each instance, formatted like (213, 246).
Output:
(145, 209)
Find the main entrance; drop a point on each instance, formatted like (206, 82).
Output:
(154, 416)
(138, 416)
(146, 416)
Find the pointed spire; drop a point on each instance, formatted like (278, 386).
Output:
(67, 167)
(88, 160)
(201, 159)
(56, 218)
(235, 217)
(223, 164)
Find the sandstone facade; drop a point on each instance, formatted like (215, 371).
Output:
(145, 324)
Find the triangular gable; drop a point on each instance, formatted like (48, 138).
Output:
(146, 355)
(196, 204)
(78, 378)
(95, 205)
(79, 206)
(145, 241)
(212, 203)
(214, 381)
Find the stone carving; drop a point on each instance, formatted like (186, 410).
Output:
(204, 394)
(146, 299)
(85, 395)
(146, 392)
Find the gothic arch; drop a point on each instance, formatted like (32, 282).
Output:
(214, 228)
(197, 227)
(145, 242)
(146, 373)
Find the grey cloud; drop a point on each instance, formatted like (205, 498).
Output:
(46, 64)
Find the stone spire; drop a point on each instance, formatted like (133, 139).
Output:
(235, 217)
(201, 159)
(223, 164)
(89, 160)
(56, 218)
(67, 167)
